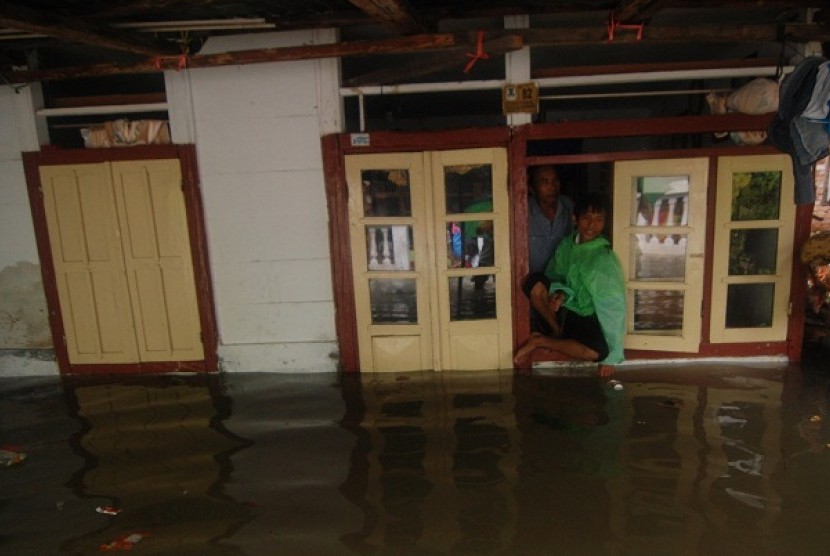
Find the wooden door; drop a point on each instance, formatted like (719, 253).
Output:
(431, 278)
(121, 255)
(659, 235)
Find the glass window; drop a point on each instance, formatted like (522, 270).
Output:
(393, 301)
(749, 305)
(472, 297)
(389, 248)
(470, 244)
(753, 251)
(468, 188)
(756, 195)
(386, 193)
(661, 201)
(658, 311)
(659, 256)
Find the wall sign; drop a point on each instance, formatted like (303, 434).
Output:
(520, 98)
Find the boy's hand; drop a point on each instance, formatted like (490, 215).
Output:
(556, 301)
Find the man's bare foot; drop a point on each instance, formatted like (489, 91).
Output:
(606, 370)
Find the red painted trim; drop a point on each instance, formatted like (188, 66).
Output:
(337, 195)
(518, 190)
(798, 287)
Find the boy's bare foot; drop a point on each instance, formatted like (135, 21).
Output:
(606, 371)
(523, 354)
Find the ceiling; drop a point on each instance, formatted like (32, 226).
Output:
(63, 38)
(389, 42)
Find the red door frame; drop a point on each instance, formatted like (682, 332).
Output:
(515, 140)
(186, 154)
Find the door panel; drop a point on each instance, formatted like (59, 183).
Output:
(158, 259)
(431, 277)
(754, 243)
(470, 194)
(121, 252)
(89, 263)
(390, 264)
(660, 210)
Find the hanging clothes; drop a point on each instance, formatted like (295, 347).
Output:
(805, 140)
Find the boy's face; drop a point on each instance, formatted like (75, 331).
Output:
(590, 225)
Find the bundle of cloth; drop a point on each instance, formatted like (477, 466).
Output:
(801, 127)
(123, 133)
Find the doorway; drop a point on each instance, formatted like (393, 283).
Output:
(430, 248)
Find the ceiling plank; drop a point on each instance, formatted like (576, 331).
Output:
(416, 43)
(77, 30)
(395, 13)
(433, 63)
(636, 11)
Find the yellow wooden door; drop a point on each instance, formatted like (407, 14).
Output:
(158, 260)
(431, 277)
(659, 235)
(86, 249)
(121, 252)
(754, 227)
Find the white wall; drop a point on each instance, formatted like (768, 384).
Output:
(25, 338)
(257, 134)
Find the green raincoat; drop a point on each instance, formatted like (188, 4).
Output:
(591, 277)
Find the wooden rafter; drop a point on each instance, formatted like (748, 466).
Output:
(424, 43)
(77, 30)
(636, 11)
(394, 13)
(433, 63)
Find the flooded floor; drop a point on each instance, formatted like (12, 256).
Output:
(706, 459)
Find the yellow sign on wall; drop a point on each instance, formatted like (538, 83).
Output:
(520, 98)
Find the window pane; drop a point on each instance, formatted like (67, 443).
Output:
(470, 244)
(658, 311)
(749, 305)
(472, 297)
(661, 201)
(753, 251)
(468, 188)
(756, 195)
(386, 193)
(393, 301)
(659, 257)
(389, 248)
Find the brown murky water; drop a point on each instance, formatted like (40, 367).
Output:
(707, 459)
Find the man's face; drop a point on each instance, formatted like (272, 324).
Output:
(590, 225)
(545, 184)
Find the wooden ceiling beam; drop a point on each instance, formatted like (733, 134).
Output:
(77, 30)
(395, 13)
(636, 11)
(416, 43)
(795, 33)
(433, 63)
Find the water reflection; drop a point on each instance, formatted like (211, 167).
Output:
(712, 459)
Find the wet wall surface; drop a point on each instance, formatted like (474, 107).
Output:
(706, 459)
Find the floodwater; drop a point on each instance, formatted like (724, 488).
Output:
(686, 459)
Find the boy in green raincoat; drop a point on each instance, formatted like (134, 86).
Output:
(581, 295)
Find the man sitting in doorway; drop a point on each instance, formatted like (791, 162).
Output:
(580, 296)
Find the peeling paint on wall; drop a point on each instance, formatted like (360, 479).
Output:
(24, 321)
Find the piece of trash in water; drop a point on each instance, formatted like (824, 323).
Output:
(109, 510)
(815, 419)
(59, 504)
(9, 458)
(615, 384)
(123, 543)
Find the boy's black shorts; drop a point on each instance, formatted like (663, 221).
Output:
(585, 330)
